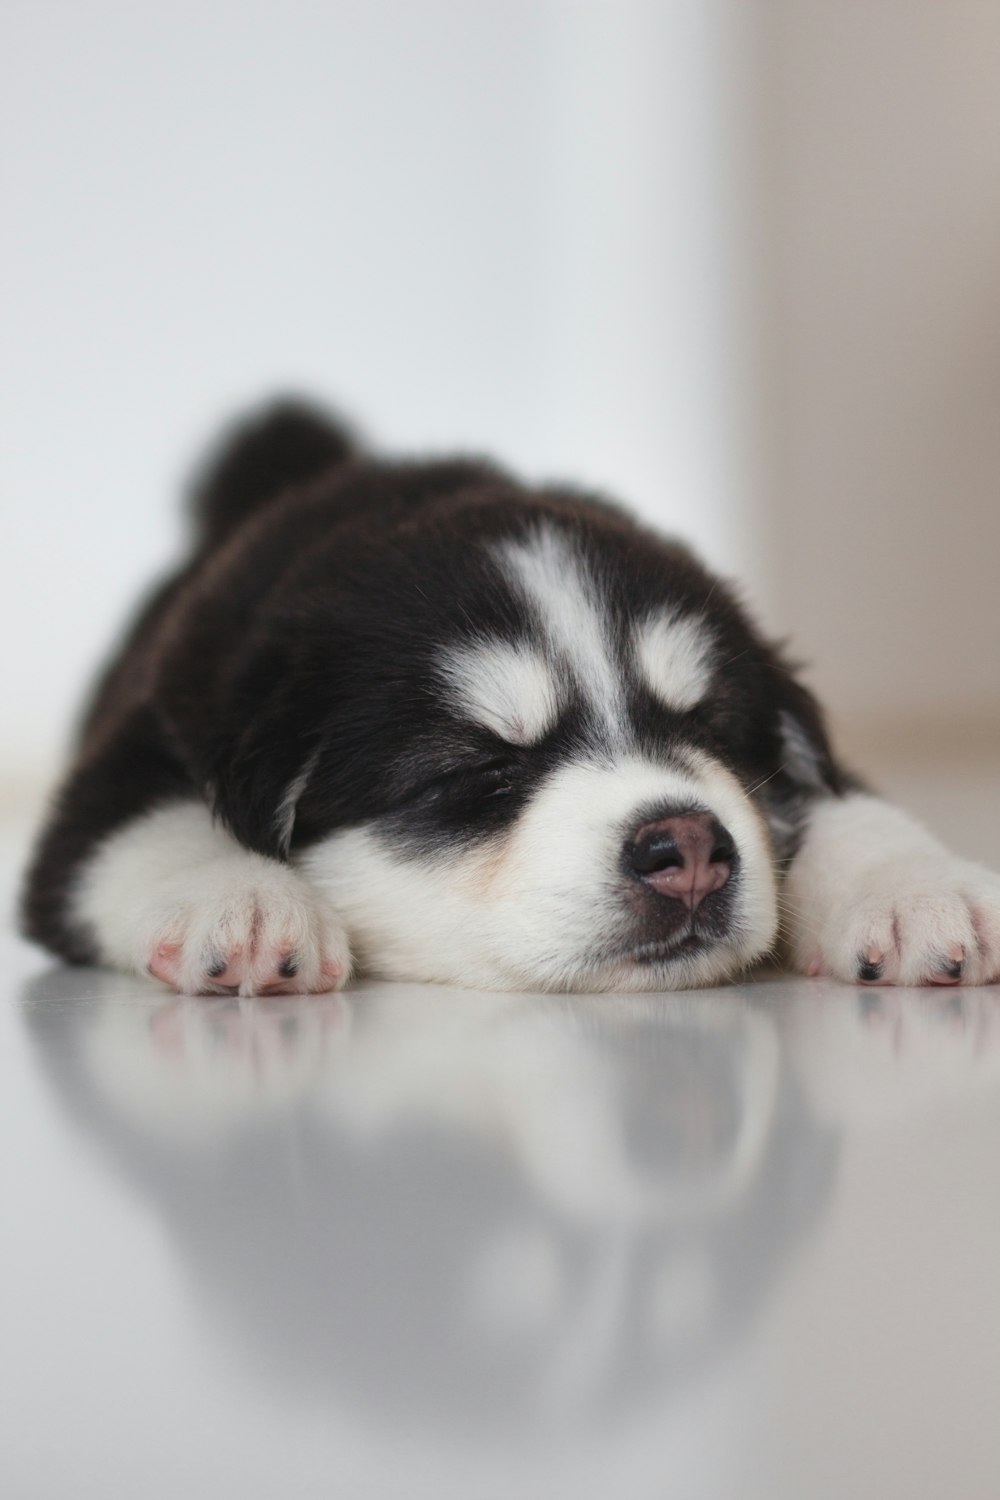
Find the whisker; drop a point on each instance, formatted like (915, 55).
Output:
(765, 779)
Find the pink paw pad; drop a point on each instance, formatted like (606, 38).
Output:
(245, 969)
(165, 963)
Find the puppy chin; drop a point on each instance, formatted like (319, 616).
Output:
(721, 964)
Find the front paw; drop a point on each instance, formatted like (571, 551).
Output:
(173, 895)
(252, 931)
(915, 920)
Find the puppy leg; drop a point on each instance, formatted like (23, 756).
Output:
(173, 894)
(873, 897)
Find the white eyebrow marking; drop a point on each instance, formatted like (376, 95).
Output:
(675, 654)
(509, 689)
(557, 582)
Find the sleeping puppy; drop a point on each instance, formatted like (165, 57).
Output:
(420, 721)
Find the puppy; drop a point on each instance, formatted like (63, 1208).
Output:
(420, 721)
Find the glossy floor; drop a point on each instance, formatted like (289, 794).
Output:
(414, 1242)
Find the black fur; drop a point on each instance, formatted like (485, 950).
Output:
(257, 462)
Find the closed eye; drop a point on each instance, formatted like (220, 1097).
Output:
(496, 776)
(492, 777)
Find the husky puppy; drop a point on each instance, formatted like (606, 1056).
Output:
(419, 720)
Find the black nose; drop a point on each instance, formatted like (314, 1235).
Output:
(687, 857)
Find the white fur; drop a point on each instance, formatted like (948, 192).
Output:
(869, 883)
(544, 906)
(175, 878)
(509, 689)
(565, 599)
(675, 654)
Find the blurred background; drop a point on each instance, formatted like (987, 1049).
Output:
(738, 265)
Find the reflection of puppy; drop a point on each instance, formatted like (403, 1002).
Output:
(879, 1055)
(467, 731)
(548, 1217)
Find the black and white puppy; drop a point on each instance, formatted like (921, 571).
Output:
(420, 721)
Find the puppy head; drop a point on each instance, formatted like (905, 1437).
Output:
(530, 746)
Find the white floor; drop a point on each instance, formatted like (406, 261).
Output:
(414, 1242)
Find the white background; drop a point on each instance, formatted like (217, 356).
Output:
(489, 226)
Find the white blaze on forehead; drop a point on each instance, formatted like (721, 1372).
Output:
(509, 689)
(558, 584)
(676, 657)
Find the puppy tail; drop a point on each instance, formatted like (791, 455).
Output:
(286, 444)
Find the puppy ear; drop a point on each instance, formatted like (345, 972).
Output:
(802, 755)
(257, 794)
(807, 758)
(267, 750)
